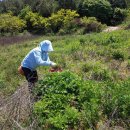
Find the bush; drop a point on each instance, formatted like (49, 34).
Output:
(11, 24)
(90, 24)
(116, 100)
(118, 16)
(101, 9)
(118, 3)
(118, 55)
(62, 19)
(87, 24)
(69, 28)
(96, 71)
(33, 20)
(69, 102)
(59, 108)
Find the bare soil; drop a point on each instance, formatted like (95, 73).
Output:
(110, 29)
(15, 109)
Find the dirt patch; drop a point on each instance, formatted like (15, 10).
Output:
(15, 109)
(110, 29)
(16, 39)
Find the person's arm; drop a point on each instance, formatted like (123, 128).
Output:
(41, 62)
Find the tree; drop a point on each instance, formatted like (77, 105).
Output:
(11, 24)
(128, 3)
(45, 7)
(11, 5)
(101, 9)
(118, 3)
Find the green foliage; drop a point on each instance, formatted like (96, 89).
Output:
(62, 19)
(101, 9)
(91, 24)
(68, 4)
(44, 7)
(11, 24)
(118, 55)
(13, 6)
(96, 71)
(67, 101)
(60, 92)
(118, 16)
(87, 24)
(2, 84)
(51, 24)
(34, 20)
(116, 101)
(24, 12)
(114, 39)
(90, 99)
(118, 3)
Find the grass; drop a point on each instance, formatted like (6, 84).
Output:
(101, 60)
(97, 56)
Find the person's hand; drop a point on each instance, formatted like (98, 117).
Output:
(53, 64)
(56, 68)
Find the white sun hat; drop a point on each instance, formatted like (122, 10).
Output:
(46, 45)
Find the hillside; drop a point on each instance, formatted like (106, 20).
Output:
(91, 41)
(99, 59)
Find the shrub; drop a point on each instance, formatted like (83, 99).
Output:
(118, 3)
(33, 20)
(90, 24)
(11, 24)
(118, 16)
(116, 100)
(118, 55)
(101, 74)
(70, 27)
(60, 101)
(96, 71)
(62, 19)
(101, 9)
(69, 102)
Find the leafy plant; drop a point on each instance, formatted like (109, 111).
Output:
(11, 24)
(101, 9)
(118, 16)
(90, 24)
(60, 19)
(118, 55)
(58, 91)
(33, 20)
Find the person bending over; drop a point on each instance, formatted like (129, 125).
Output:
(36, 57)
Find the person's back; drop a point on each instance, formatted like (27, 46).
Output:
(29, 61)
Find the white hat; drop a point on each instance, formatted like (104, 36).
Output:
(46, 45)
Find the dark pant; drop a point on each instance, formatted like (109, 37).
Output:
(31, 76)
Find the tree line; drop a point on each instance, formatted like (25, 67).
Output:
(110, 12)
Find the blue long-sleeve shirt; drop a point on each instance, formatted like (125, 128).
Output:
(35, 58)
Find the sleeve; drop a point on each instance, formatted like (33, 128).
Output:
(39, 60)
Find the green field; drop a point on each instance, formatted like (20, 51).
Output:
(101, 60)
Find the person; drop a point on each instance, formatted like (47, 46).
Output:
(36, 57)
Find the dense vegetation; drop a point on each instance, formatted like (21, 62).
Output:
(93, 90)
(98, 56)
(68, 102)
(42, 16)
